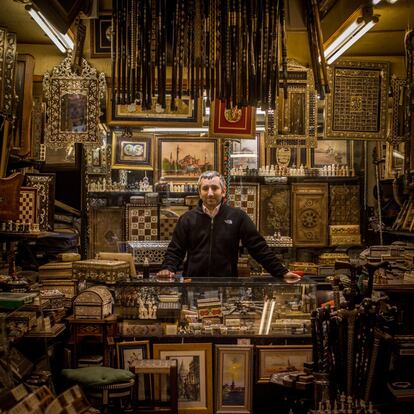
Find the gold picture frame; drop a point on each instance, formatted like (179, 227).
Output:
(197, 394)
(234, 373)
(272, 359)
(189, 113)
(357, 106)
(174, 165)
(132, 151)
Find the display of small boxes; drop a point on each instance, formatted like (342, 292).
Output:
(20, 322)
(307, 267)
(331, 258)
(345, 235)
(93, 303)
(108, 271)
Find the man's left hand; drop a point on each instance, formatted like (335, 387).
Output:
(291, 277)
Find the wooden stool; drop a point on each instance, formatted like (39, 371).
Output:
(158, 367)
(108, 392)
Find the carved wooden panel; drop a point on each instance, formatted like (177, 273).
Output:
(275, 210)
(45, 184)
(344, 204)
(310, 215)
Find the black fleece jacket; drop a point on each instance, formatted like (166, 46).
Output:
(212, 245)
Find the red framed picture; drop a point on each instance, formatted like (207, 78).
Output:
(232, 122)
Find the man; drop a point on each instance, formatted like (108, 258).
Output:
(210, 235)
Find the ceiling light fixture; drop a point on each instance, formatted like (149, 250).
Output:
(62, 41)
(352, 30)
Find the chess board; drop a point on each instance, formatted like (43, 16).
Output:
(28, 205)
(141, 222)
(246, 197)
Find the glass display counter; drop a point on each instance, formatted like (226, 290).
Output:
(261, 306)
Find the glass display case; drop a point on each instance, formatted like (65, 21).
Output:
(261, 306)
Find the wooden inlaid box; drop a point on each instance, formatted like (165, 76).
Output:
(93, 303)
(108, 271)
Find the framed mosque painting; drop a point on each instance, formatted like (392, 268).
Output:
(185, 158)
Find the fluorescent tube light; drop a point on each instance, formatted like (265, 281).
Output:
(355, 28)
(62, 41)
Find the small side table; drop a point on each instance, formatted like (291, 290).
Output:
(158, 367)
(104, 330)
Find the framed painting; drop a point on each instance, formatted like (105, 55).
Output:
(232, 122)
(189, 113)
(272, 359)
(105, 230)
(132, 151)
(330, 151)
(127, 353)
(195, 380)
(100, 34)
(234, 375)
(185, 158)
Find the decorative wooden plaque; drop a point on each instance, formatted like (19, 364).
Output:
(357, 106)
(310, 215)
(106, 229)
(274, 210)
(344, 204)
(45, 184)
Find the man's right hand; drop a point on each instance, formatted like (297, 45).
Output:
(165, 273)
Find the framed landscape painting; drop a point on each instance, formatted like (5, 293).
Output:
(194, 362)
(185, 158)
(272, 359)
(330, 151)
(234, 378)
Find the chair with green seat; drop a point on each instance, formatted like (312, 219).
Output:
(103, 384)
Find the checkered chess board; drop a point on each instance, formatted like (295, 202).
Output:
(28, 205)
(246, 198)
(141, 223)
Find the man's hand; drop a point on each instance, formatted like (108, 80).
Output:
(165, 273)
(291, 277)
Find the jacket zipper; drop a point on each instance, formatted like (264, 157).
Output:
(211, 246)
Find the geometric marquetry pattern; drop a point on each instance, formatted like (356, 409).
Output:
(246, 197)
(28, 205)
(141, 223)
(344, 204)
(45, 184)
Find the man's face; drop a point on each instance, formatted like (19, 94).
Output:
(211, 192)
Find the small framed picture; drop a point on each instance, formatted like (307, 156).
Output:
(331, 151)
(184, 158)
(234, 365)
(247, 153)
(195, 375)
(132, 151)
(272, 359)
(101, 32)
(128, 353)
